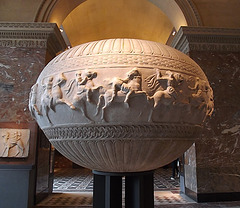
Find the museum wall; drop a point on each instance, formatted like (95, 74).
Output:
(19, 70)
(25, 48)
(218, 150)
(212, 163)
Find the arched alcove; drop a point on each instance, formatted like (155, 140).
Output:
(139, 19)
(55, 11)
(180, 12)
(92, 20)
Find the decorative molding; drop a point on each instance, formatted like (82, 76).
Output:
(93, 132)
(32, 35)
(207, 39)
(123, 53)
(45, 10)
(136, 60)
(190, 12)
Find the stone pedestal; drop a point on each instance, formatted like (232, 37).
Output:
(25, 48)
(212, 163)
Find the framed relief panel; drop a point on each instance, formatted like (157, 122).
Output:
(14, 143)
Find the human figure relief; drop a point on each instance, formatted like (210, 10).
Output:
(85, 83)
(85, 87)
(199, 97)
(161, 80)
(164, 88)
(32, 101)
(52, 95)
(46, 98)
(153, 81)
(57, 94)
(168, 77)
(199, 87)
(130, 86)
(210, 105)
(13, 146)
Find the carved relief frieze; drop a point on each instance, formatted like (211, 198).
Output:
(14, 142)
(163, 91)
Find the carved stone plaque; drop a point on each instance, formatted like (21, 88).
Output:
(14, 142)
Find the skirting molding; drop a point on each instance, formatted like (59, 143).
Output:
(207, 39)
(212, 197)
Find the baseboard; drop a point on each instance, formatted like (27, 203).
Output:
(212, 197)
(191, 194)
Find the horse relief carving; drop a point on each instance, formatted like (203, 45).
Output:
(83, 82)
(52, 94)
(163, 91)
(120, 90)
(14, 142)
(170, 89)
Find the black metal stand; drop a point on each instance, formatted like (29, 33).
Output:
(107, 190)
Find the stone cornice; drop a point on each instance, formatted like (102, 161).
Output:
(207, 39)
(32, 35)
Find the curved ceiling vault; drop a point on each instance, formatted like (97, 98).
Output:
(89, 20)
(146, 19)
(96, 20)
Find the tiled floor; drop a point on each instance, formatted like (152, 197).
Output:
(81, 180)
(73, 188)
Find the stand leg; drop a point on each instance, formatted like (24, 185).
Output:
(139, 191)
(107, 191)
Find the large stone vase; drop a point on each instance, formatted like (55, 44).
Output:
(121, 105)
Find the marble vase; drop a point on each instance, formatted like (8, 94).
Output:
(121, 105)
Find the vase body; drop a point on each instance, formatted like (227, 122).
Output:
(121, 105)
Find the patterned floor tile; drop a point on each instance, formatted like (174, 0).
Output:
(86, 199)
(73, 188)
(75, 180)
